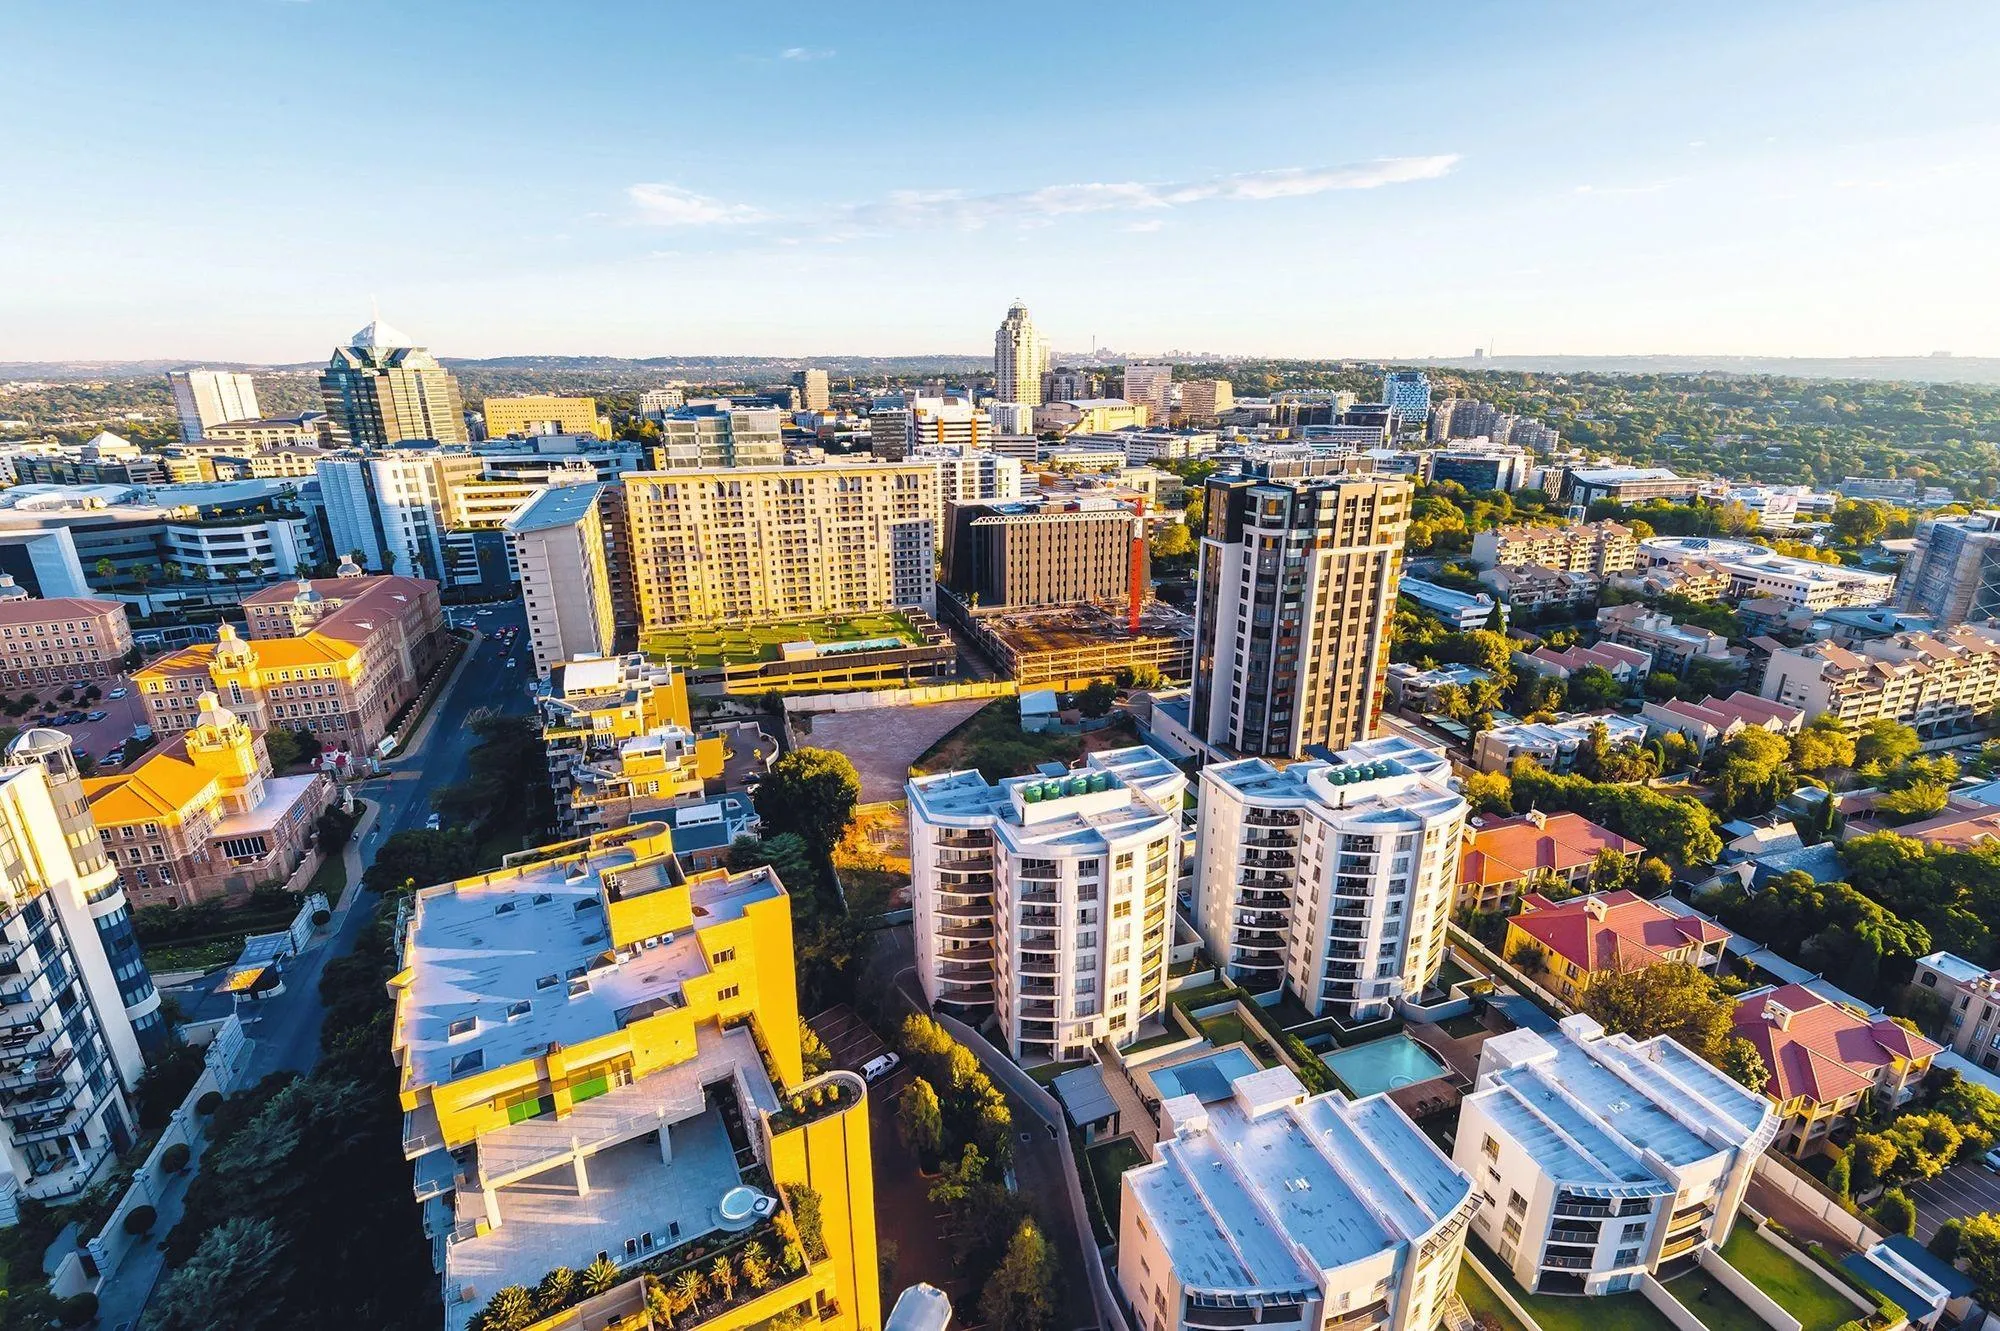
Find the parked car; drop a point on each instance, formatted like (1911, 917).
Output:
(96, 716)
(877, 1068)
(1992, 1159)
(115, 693)
(434, 823)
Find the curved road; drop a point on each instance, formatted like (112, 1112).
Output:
(286, 1028)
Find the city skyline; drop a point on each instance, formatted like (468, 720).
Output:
(1682, 182)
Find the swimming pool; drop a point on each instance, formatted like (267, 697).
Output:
(1384, 1065)
(1207, 1077)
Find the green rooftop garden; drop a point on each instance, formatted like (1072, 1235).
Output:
(747, 644)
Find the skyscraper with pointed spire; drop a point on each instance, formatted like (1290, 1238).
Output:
(382, 389)
(1020, 357)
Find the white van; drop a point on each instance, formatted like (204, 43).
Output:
(877, 1068)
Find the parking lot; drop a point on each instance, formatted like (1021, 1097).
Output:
(95, 738)
(1963, 1190)
(853, 1042)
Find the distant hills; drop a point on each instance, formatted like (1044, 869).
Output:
(1917, 369)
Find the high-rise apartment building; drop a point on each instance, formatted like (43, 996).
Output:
(693, 438)
(1263, 1205)
(968, 473)
(1407, 394)
(1334, 880)
(1020, 357)
(1151, 387)
(749, 544)
(619, 742)
(381, 389)
(598, 1060)
(815, 391)
(390, 511)
(558, 546)
(1296, 589)
(210, 397)
(1954, 571)
(1202, 400)
(542, 413)
(1048, 900)
(80, 1006)
(1042, 552)
(1602, 1158)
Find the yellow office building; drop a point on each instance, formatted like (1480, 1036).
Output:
(600, 1062)
(507, 416)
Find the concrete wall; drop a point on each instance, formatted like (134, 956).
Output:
(1803, 1258)
(1669, 1306)
(1504, 968)
(871, 699)
(1808, 1193)
(1753, 1298)
(1499, 1289)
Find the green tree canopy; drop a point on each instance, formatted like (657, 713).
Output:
(811, 792)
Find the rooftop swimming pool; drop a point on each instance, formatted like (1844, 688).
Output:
(1207, 1078)
(1384, 1065)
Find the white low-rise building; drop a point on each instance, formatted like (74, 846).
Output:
(1552, 744)
(1758, 570)
(1602, 1159)
(1048, 899)
(1332, 879)
(1264, 1206)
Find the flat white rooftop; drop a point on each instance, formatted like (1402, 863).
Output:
(1243, 1182)
(504, 966)
(1388, 779)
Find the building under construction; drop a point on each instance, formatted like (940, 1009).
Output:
(1066, 647)
(1044, 552)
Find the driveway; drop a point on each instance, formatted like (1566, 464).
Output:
(882, 743)
(1962, 1190)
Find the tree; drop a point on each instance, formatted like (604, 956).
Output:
(1883, 743)
(1896, 1213)
(1594, 688)
(1097, 698)
(1143, 676)
(1609, 871)
(1674, 999)
(421, 858)
(920, 1121)
(1860, 521)
(813, 1052)
(597, 1278)
(1489, 792)
(1822, 744)
(1979, 1244)
(787, 855)
(1919, 799)
(224, 1283)
(1652, 877)
(1839, 1176)
(1020, 1295)
(1172, 540)
(811, 792)
(1945, 1242)
(1742, 1063)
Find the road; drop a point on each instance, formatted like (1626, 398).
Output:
(286, 1027)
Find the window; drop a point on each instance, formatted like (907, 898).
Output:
(1491, 1147)
(726, 954)
(1628, 1257)
(728, 992)
(1633, 1232)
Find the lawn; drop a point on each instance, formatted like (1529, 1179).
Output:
(203, 956)
(1108, 1163)
(1227, 1028)
(991, 739)
(1044, 1073)
(330, 878)
(1557, 1312)
(743, 644)
(1704, 1296)
(1795, 1288)
(1480, 1298)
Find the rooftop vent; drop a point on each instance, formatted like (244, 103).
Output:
(578, 988)
(506, 908)
(544, 898)
(546, 982)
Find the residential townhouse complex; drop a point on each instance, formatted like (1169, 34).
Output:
(750, 544)
(1608, 933)
(337, 656)
(1551, 744)
(620, 744)
(1532, 587)
(1673, 647)
(1263, 1205)
(598, 1059)
(1939, 684)
(1758, 570)
(1603, 548)
(1334, 879)
(79, 1008)
(1504, 858)
(1602, 1159)
(1048, 899)
(63, 640)
(202, 817)
(1714, 721)
(1824, 1060)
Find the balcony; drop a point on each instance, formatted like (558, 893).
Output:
(1041, 896)
(1564, 1262)
(1584, 1237)
(1271, 818)
(1686, 1243)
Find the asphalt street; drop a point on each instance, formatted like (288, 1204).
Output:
(286, 1027)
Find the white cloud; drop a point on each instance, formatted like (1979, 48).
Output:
(805, 53)
(670, 205)
(1139, 228)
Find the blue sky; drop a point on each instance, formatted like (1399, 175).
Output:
(237, 178)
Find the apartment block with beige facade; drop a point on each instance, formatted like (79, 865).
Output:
(1939, 684)
(1603, 548)
(65, 640)
(542, 413)
(338, 657)
(760, 544)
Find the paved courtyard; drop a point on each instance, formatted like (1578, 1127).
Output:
(1964, 1189)
(884, 742)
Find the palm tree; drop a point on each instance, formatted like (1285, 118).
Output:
(598, 1277)
(690, 1288)
(510, 1309)
(722, 1278)
(557, 1291)
(257, 569)
(105, 569)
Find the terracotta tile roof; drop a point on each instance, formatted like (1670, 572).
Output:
(33, 611)
(1509, 849)
(1614, 931)
(164, 783)
(1821, 1051)
(1753, 710)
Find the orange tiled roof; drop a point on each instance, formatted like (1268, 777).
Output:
(164, 783)
(1823, 1051)
(1510, 849)
(1630, 934)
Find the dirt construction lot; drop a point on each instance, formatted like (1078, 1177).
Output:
(883, 743)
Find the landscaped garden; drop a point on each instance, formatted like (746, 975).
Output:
(745, 644)
(1557, 1312)
(1108, 1162)
(992, 741)
(1719, 1310)
(1796, 1288)
(1481, 1301)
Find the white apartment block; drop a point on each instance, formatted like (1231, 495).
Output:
(210, 397)
(1603, 548)
(749, 544)
(393, 507)
(968, 473)
(1264, 1206)
(1756, 570)
(1332, 879)
(1048, 900)
(1601, 1159)
(1940, 684)
(557, 544)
